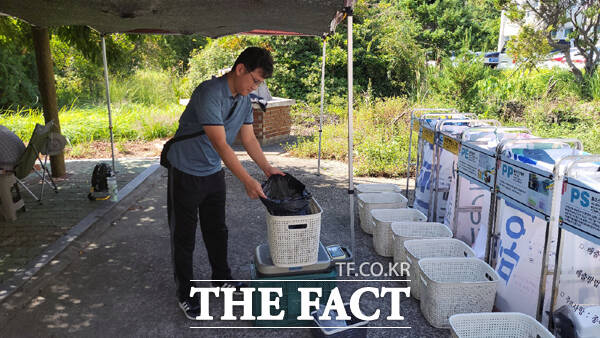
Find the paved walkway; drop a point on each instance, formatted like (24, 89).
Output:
(42, 224)
(116, 279)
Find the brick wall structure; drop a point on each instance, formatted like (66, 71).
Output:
(273, 125)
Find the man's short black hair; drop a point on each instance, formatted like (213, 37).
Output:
(256, 57)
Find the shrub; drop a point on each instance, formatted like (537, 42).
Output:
(458, 82)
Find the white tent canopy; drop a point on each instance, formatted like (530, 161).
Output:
(212, 18)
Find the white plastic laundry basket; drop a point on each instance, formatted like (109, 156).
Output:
(497, 325)
(380, 200)
(382, 234)
(426, 248)
(455, 285)
(402, 231)
(294, 240)
(376, 187)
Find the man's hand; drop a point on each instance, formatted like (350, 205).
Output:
(254, 189)
(273, 171)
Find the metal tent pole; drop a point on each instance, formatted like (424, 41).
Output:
(408, 161)
(322, 100)
(350, 134)
(110, 127)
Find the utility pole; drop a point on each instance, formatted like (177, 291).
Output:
(43, 57)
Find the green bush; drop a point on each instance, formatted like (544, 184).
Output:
(457, 82)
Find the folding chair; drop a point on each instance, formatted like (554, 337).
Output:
(44, 141)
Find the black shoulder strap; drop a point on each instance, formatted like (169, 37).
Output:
(185, 137)
(201, 132)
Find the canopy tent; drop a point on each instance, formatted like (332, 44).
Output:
(211, 18)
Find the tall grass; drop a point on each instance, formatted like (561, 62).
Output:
(143, 86)
(593, 86)
(148, 87)
(80, 125)
(381, 132)
(144, 107)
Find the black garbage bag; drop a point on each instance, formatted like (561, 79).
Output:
(286, 196)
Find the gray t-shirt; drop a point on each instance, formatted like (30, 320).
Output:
(211, 104)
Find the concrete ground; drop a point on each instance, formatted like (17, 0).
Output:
(116, 279)
(44, 223)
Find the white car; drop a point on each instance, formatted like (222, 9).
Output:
(558, 59)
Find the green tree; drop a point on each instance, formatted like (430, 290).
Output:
(386, 56)
(77, 55)
(445, 24)
(18, 71)
(550, 15)
(529, 48)
(182, 47)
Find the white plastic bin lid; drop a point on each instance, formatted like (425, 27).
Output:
(421, 229)
(398, 215)
(377, 187)
(382, 197)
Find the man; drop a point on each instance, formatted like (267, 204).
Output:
(221, 108)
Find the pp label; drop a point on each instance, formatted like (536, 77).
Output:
(526, 187)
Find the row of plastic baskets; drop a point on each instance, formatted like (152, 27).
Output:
(363, 201)
(403, 231)
(383, 219)
(455, 285)
(294, 240)
(417, 249)
(497, 325)
(379, 200)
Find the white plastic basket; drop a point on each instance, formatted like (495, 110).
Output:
(382, 234)
(377, 187)
(497, 325)
(426, 248)
(403, 231)
(380, 200)
(455, 285)
(294, 240)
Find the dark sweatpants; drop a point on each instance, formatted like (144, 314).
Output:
(188, 197)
